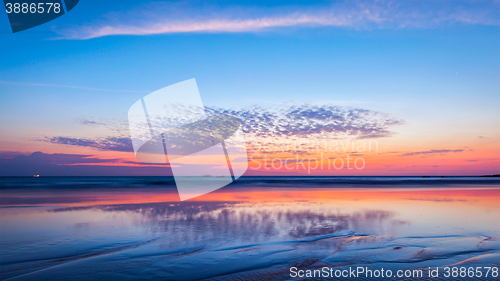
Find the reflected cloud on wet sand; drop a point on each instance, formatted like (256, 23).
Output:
(246, 233)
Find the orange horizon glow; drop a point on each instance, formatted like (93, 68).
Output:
(385, 158)
(487, 196)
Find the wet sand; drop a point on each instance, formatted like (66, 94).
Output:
(244, 233)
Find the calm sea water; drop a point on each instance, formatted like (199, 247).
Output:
(257, 228)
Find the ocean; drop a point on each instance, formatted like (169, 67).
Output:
(257, 228)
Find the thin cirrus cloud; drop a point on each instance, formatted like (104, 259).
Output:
(164, 18)
(66, 86)
(122, 144)
(433, 152)
(57, 159)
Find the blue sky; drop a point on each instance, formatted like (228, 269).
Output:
(433, 64)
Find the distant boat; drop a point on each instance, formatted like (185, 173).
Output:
(36, 176)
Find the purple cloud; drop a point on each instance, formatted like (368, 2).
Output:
(123, 144)
(433, 152)
(60, 164)
(311, 121)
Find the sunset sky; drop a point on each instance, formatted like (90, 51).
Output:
(421, 79)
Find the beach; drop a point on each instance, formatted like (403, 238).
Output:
(105, 228)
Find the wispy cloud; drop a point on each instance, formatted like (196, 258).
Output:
(162, 18)
(67, 86)
(433, 152)
(123, 144)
